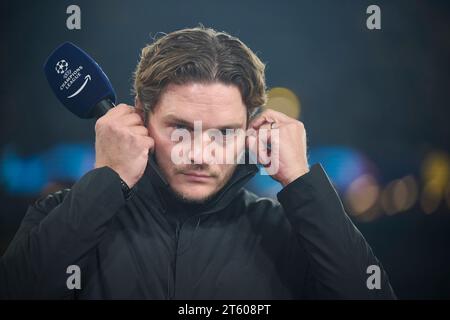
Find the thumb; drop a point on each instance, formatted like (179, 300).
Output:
(252, 146)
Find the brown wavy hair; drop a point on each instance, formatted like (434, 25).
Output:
(202, 55)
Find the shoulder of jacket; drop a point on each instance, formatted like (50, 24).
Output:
(255, 202)
(264, 211)
(50, 201)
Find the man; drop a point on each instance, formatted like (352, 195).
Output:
(141, 225)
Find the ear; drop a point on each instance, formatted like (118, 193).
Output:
(137, 103)
(254, 114)
(139, 108)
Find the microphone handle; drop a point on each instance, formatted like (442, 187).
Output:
(102, 107)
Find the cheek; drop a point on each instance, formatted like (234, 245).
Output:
(163, 143)
(226, 170)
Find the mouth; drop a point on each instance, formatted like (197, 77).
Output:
(196, 177)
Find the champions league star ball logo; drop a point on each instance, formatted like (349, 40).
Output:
(61, 66)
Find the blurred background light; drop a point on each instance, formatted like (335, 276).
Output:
(404, 193)
(399, 195)
(435, 178)
(285, 101)
(30, 174)
(342, 164)
(362, 194)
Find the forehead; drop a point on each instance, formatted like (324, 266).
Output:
(215, 104)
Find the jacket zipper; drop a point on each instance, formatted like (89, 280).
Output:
(177, 236)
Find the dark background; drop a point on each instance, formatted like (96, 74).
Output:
(377, 99)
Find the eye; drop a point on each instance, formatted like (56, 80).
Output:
(180, 126)
(226, 132)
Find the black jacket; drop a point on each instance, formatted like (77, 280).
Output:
(237, 246)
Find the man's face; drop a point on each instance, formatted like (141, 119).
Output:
(217, 106)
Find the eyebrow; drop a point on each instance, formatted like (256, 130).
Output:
(174, 119)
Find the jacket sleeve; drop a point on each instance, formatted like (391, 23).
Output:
(56, 232)
(338, 253)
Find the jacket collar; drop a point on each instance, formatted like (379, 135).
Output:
(154, 187)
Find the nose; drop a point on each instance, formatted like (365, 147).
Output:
(198, 151)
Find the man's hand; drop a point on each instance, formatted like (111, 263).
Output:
(291, 147)
(122, 143)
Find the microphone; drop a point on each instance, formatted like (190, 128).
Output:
(78, 82)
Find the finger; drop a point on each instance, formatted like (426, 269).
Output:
(266, 117)
(265, 129)
(278, 116)
(256, 143)
(132, 119)
(139, 130)
(269, 116)
(257, 122)
(149, 142)
(251, 143)
(140, 112)
(264, 134)
(120, 110)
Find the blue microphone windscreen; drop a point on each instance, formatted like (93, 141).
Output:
(77, 80)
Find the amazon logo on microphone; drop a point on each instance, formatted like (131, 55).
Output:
(86, 79)
(70, 77)
(78, 81)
